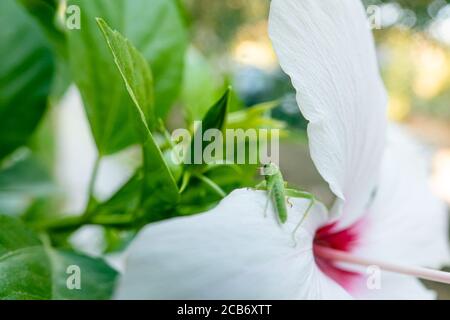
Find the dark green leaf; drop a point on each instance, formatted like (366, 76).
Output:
(26, 71)
(216, 115)
(26, 176)
(25, 275)
(31, 270)
(214, 119)
(45, 12)
(14, 236)
(97, 278)
(21, 183)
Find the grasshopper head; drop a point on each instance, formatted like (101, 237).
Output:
(269, 169)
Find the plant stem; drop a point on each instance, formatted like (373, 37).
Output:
(64, 223)
(73, 223)
(112, 221)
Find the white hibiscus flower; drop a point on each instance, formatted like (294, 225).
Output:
(383, 215)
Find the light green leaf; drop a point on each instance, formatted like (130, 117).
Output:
(26, 71)
(31, 270)
(135, 73)
(155, 27)
(199, 85)
(255, 117)
(160, 191)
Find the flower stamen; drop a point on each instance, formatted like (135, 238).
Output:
(334, 255)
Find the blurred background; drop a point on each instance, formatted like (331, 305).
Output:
(229, 45)
(413, 46)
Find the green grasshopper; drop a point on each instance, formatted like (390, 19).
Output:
(278, 192)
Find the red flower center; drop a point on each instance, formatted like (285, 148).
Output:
(343, 240)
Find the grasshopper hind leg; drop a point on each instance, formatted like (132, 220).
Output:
(303, 195)
(305, 215)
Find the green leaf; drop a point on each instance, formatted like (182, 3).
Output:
(14, 236)
(26, 71)
(117, 240)
(160, 191)
(155, 27)
(255, 117)
(125, 200)
(199, 85)
(27, 176)
(32, 270)
(24, 275)
(45, 13)
(97, 278)
(21, 183)
(135, 73)
(215, 118)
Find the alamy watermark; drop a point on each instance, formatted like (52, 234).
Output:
(73, 17)
(231, 146)
(374, 15)
(73, 281)
(373, 281)
(69, 16)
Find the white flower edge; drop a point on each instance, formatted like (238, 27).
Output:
(230, 252)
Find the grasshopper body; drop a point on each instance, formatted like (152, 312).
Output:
(278, 192)
(275, 186)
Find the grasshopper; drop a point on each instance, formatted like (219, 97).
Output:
(279, 192)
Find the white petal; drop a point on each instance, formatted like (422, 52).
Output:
(398, 287)
(407, 224)
(328, 51)
(231, 252)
